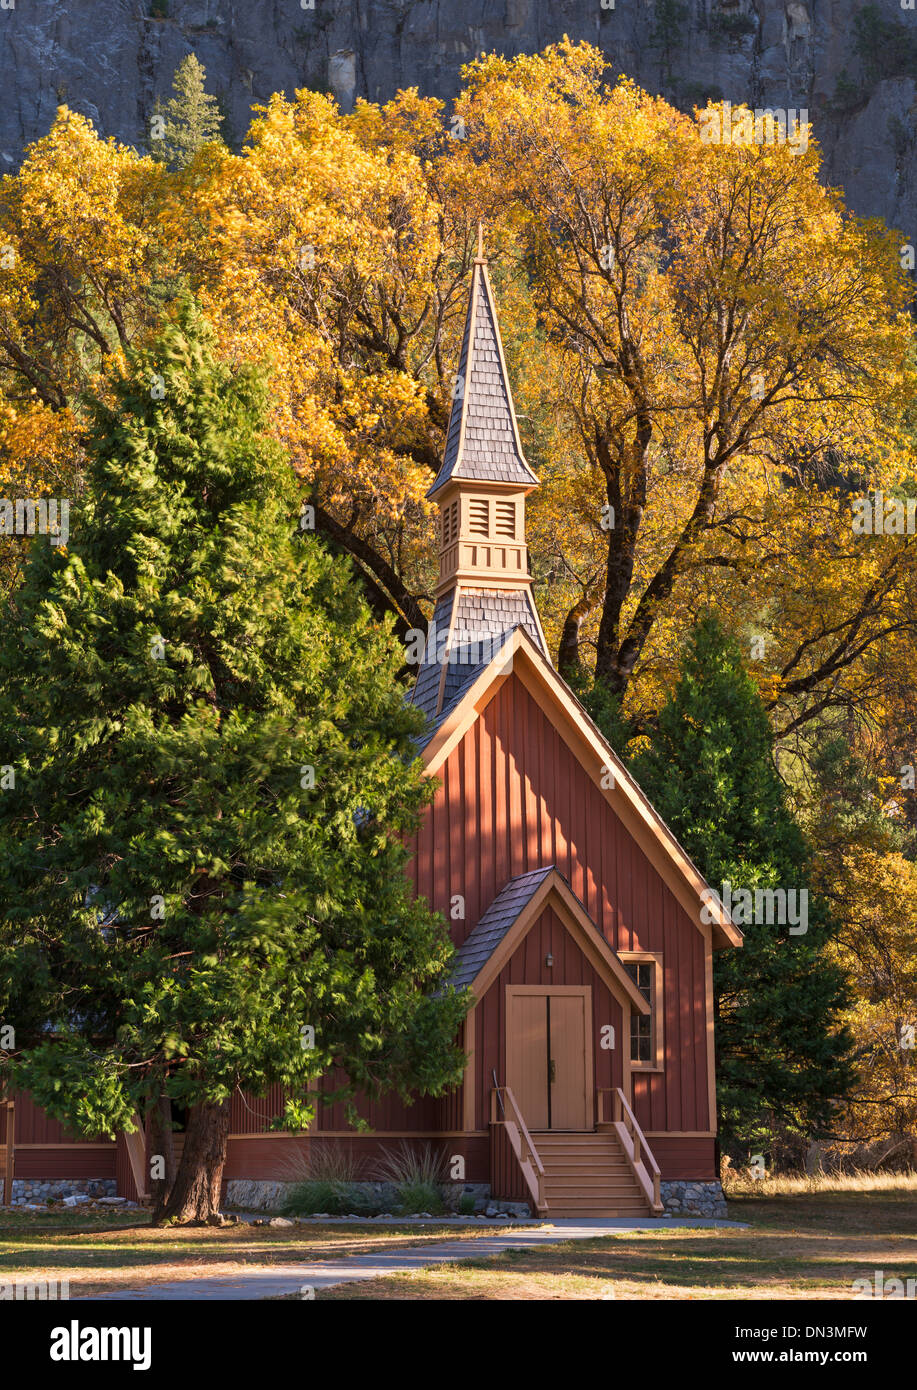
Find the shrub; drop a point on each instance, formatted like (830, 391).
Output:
(307, 1197)
(847, 93)
(725, 27)
(884, 47)
(416, 1174)
(325, 1180)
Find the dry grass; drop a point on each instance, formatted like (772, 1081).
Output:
(742, 1184)
(798, 1247)
(801, 1244)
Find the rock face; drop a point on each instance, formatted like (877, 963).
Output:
(111, 59)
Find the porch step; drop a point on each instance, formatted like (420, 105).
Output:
(587, 1174)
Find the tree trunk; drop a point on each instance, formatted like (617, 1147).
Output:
(814, 1163)
(569, 664)
(195, 1196)
(161, 1148)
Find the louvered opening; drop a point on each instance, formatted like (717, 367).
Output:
(478, 517)
(506, 519)
(450, 523)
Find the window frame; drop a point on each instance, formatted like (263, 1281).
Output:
(657, 1041)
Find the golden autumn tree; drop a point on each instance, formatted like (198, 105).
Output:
(716, 324)
(855, 822)
(321, 250)
(705, 348)
(78, 255)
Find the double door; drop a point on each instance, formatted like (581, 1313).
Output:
(549, 1055)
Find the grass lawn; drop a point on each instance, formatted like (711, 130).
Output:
(800, 1246)
(102, 1252)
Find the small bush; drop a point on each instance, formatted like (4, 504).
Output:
(336, 1198)
(416, 1174)
(847, 93)
(885, 47)
(466, 1204)
(726, 27)
(328, 1163)
(324, 1180)
(419, 1196)
(698, 94)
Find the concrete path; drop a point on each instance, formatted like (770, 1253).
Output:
(271, 1280)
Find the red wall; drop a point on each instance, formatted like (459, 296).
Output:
(514, 798)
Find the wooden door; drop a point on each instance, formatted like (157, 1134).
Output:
(527, 1057)
(549, 1056)
(567, 1034)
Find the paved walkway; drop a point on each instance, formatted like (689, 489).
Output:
(272, 1280)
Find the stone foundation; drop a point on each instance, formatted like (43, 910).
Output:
(693, 1199)
(38, 1190)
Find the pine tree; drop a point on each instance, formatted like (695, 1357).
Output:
(192, 116)
(202, 856)
(782, 1058)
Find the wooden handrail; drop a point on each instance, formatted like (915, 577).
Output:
(523, 1128)
(8, 1151)
(517, 1133)
(135, 1144)
(639, 1154)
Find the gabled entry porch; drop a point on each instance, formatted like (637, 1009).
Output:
(551, 1054)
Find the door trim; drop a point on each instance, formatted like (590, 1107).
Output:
(585, 993)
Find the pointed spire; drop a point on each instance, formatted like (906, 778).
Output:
(482, 442)
(485, 589)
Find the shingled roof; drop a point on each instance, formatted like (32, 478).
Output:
(482, 443)
(486, 945)
(478, 623)
(474, 953)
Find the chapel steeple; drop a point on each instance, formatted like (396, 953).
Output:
(484, 479)
(484, 589)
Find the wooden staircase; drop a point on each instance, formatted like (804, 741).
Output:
(608, 1171)
(588, 1174)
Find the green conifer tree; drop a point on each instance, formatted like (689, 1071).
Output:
(202, 851)
(191, 117)
(782, 1059)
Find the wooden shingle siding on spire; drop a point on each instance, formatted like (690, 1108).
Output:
(482, 442)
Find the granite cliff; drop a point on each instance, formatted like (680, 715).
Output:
(110, 59)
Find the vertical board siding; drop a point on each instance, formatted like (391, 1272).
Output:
(506, 1179)
(35, 1126)
(514, 797)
